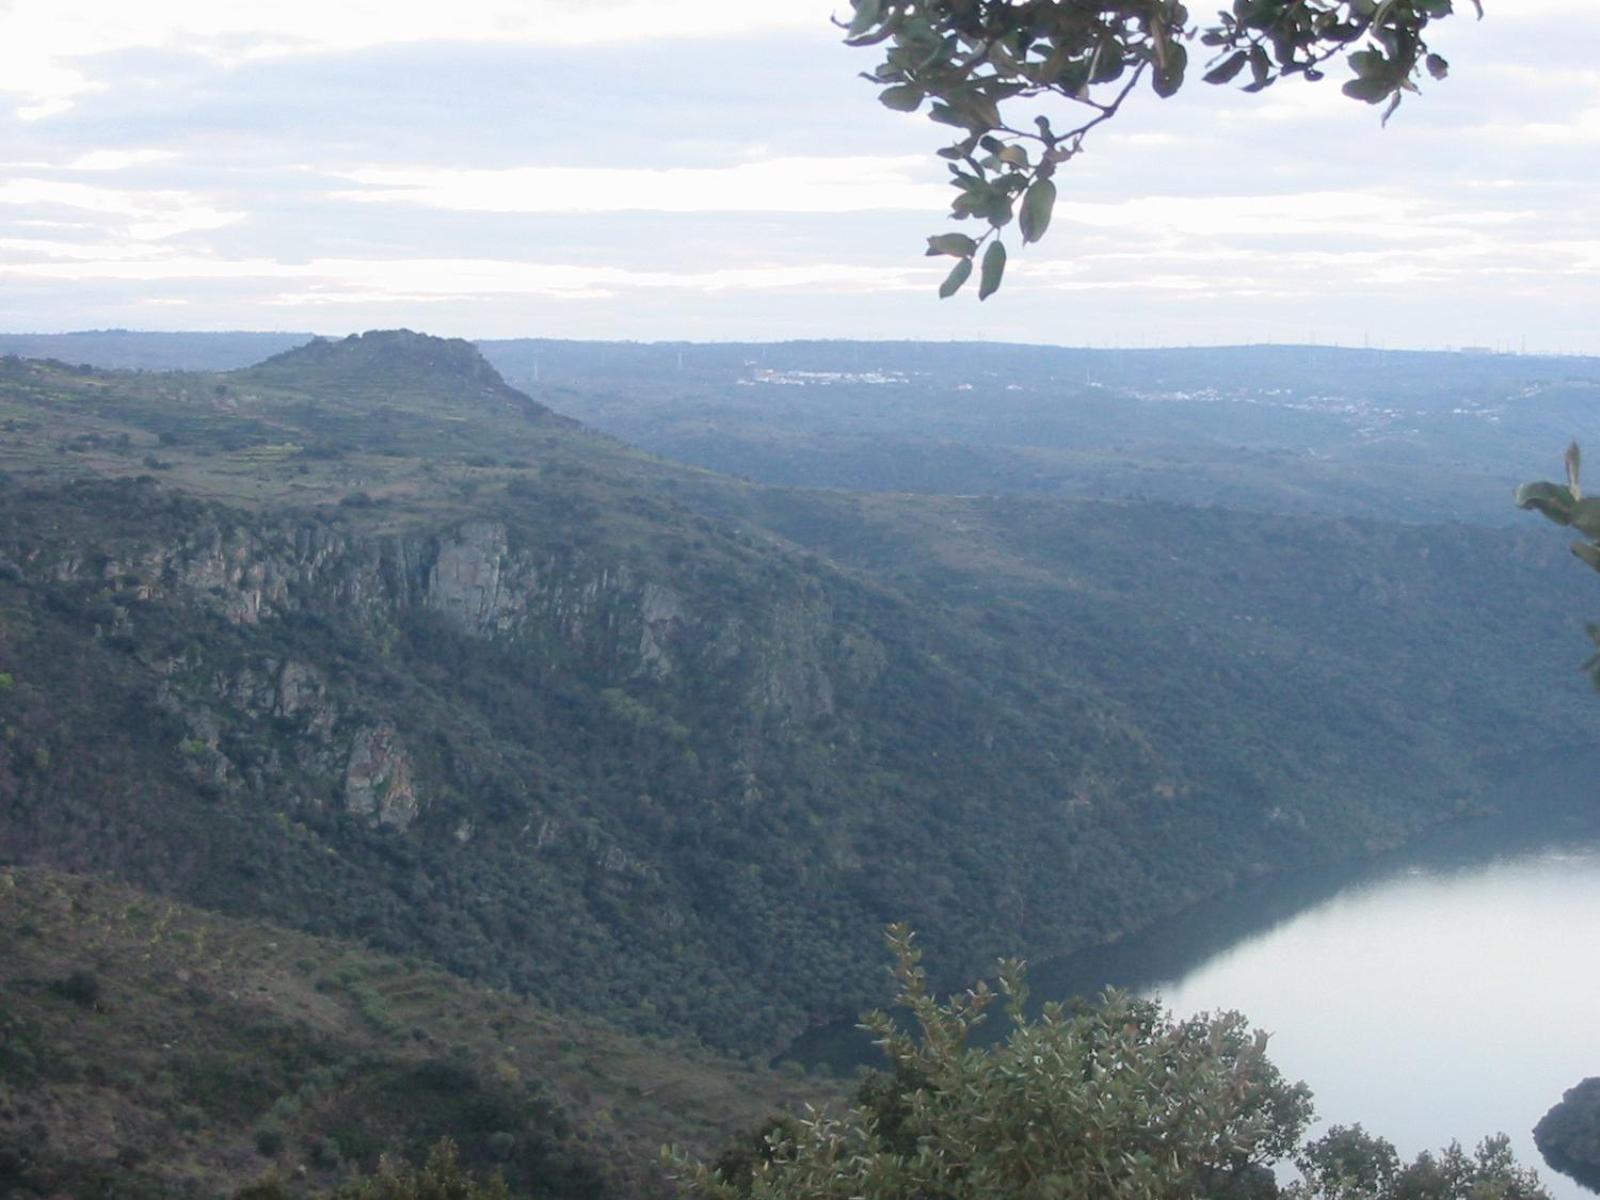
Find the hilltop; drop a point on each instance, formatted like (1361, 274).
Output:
(393, 366)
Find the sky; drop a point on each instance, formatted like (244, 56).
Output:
(717, 170)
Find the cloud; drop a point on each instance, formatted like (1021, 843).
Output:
(329, 281)
(714, 168)
(118, 160)
(145, 215)
(801, 185)
(46, 46)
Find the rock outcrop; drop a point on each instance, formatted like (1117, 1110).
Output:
(378, 779)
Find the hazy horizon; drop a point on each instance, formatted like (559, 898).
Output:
(1155, 348)
(717, 171)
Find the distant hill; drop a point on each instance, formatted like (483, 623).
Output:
(1415, 436)
(1315, 431)
(124, 349)
(363, 643)
(389, 366)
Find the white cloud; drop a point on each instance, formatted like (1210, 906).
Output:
(1581, 129)
(43, 43)
(802, 185)
(118, 160)
(1472, 206)
(146, 215)
(327, 281)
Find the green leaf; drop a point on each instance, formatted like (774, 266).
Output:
(1374, 89)
(1369, 62)
(1553, 500)
(1037, 205)
(1168, 76)
(1589, 552)
(867, 13)
(994, 267)
(957, 244)
(1586, 516)
(903, 97)
(959, 274)
(1229, 67)
(984, 109)
(1438, 67)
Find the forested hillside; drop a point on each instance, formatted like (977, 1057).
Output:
(1412, 436)
(148, 1049)
(1316, 431)
(126, 349)
(367, 643)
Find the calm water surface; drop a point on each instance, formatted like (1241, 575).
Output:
(1433, 1004)
(1444, 993)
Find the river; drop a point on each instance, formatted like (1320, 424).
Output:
(1444, 992)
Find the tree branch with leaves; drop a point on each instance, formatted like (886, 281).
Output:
(972, 61)
(1565, 504)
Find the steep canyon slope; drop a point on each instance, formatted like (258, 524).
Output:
(366, 642)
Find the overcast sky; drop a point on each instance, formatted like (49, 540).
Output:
(714, 169)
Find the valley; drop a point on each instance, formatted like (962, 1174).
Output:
(375, 654)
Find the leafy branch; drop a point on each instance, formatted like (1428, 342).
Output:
(1565, 504)
(967, 59)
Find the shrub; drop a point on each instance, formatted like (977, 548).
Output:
(81, 987)
(325, 1153)
(269, 1139)
(1114, 1101)
(441, 1178)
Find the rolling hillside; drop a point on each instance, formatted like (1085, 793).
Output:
(366, 643)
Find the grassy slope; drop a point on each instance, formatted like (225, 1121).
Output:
(207, 1029)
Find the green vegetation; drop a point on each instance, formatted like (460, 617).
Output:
(482, 710)
(1568, 1136)
(216, 1051)
(128, 349)
(1351, 1164)
(1565, 504)
(441, 1177)
(659, 746)
(1315, 431)
(1112, 1100)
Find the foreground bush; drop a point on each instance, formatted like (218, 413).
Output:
(1569, 1134)
(1112, 1102)
(442, 1177)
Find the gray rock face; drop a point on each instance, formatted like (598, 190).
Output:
(663, 616)
(619, 623)
(793, 680)
(289, 731)
(378, 779)
(467, 583)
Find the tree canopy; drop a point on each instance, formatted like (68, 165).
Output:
(1569, 1134)
(1077, 61)
(1113, 1101)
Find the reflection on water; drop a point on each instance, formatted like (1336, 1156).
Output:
(1433, 1004)
(1446, 992)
